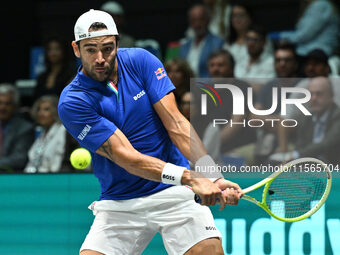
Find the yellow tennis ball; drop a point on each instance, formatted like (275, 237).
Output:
(80, 158)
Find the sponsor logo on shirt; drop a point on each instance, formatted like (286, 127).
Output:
(84, 132)
(210, 228)
(139, 95)
(160, 73)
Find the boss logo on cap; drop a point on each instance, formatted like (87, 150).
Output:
(82, 36)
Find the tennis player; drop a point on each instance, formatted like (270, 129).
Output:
(120, 106)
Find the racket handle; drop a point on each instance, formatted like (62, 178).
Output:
(198, 200)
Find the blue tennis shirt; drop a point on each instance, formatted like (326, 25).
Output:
(91, 112)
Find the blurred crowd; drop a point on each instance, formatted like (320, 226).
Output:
(222, 40)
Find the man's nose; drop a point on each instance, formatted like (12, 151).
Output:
(100, 58)
(313, 97)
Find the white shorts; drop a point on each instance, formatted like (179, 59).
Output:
(127, 226)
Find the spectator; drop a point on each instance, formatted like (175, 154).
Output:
(316, 64)
(219, 12)
(47, 152)
(220, 15)
(317, 28)
(318, 135)
(221, 65)
(185, 102)
(179, 72)
(118, 14)
(257, 63)
(286, 68)
(16, 133)
(240, 20)
(197, 50)
(59, 69)
(286, 61)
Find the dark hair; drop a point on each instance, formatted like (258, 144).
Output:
(184, 68)
(318, 55)
(99, 26)
(286, 46)
(206, 11)
(259, 30)
(226, 54)
(64, 48)
(187, 73)
(232, 32)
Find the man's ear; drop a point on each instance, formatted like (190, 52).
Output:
(76, 49)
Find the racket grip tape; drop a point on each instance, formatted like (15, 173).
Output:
(197, 198)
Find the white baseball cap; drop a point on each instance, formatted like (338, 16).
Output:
(81, 28)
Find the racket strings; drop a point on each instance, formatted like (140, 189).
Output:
(295, 191)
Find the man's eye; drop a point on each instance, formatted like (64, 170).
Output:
(91, 50)
(108, 49)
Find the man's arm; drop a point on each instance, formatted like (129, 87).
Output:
(118, 149)
(181, 133)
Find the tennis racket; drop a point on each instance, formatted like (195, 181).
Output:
(294, 192)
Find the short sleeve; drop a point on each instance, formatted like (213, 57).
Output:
(155, 79)
(82, 121)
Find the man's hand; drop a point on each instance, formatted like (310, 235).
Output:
(209, 192)
(231, 191)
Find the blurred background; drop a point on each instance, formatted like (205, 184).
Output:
(30, 23)
(259, 44)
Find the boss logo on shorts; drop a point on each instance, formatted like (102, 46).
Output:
(168, 177)
(139, 95)
(210, 228)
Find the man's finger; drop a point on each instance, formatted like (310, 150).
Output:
(222, 201)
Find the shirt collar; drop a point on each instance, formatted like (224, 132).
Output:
(88, 82)
(322, 118)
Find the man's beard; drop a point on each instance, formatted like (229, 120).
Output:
(107, 73)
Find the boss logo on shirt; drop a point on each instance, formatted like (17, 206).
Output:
(139, 95)
(168, 177)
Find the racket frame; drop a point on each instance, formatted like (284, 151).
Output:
(267, 181)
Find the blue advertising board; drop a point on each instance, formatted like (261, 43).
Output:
(47, 214)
